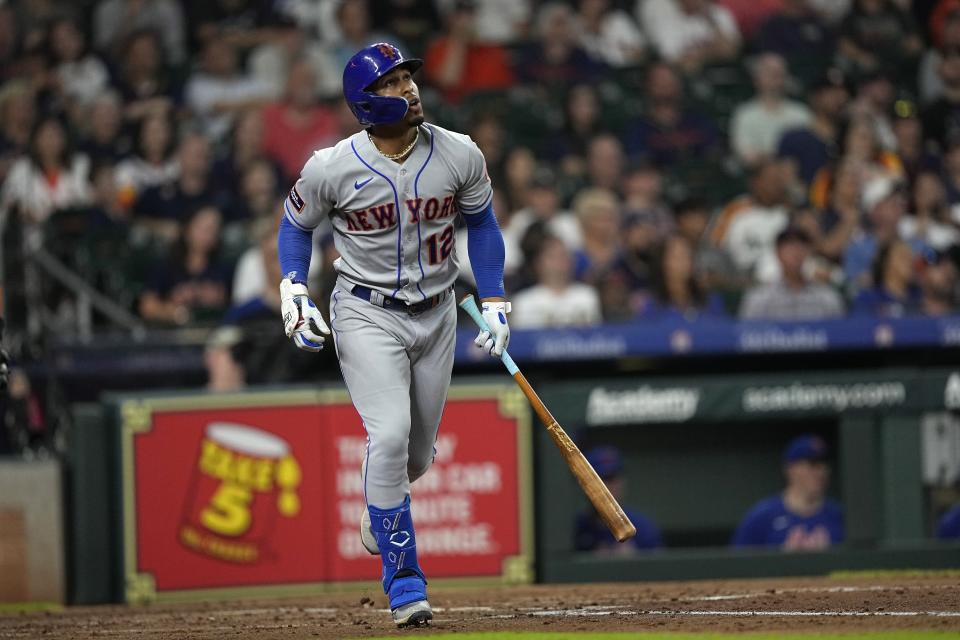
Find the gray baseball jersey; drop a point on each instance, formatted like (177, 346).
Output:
(393, 223)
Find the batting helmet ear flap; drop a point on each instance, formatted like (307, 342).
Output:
(366, 67)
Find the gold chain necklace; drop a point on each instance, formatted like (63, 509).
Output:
(396, 156)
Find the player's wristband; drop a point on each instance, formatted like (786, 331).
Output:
(294, 248)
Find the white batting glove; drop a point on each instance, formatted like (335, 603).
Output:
(495, 340)
(302, 320)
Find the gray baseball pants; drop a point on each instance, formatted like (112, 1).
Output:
(397, 369)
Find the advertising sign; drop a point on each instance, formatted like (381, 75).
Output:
(260, 493)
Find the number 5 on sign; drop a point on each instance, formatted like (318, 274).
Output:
(229, 510)
(440, 244)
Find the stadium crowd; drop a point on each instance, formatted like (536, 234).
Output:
(788, 159)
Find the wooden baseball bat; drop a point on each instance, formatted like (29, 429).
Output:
(597, 492)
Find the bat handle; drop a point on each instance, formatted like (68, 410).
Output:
(469, 305)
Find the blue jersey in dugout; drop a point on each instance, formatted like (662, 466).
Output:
(770, 523)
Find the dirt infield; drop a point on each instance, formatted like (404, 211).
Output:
(795, 605)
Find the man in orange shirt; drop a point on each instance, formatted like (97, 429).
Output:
(458, 64)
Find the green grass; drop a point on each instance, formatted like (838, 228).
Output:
(880, 635)
(28, 607)
(898, 573)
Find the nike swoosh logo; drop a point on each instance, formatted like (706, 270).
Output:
(360, 185)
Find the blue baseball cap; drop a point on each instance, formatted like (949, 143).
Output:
(606, 461)
(805, 447)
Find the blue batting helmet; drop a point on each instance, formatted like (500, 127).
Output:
(366, 67)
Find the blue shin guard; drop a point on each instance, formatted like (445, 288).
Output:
(403, 580)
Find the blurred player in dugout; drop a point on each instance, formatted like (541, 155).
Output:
(801, 517)
(590, 533)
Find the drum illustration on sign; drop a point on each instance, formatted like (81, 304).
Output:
(243, 477)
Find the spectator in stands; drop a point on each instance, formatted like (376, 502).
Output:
(251, 277)
(104, 139)
(802, 517)
(590, 533)
(9, 42)
(609, 35)
(894, 292)
(714, 269)
(163, 208)
(941, 119)
(152, 163)
(747, 227)
(246, 147)
(668, 133)
(555, 300)
(459, 64)
(599, 214)
(298, 125)
(116, 20)
(751, 14)
(239, 25)
(488, 132)
(542, 205)
(414, 21)
(272, 64)
(878, 34)
(758, 124)
(625, 288)
(51, 177)
(642, 189)
(690, 33)
(949, 526)
(554, 60)
(860, 147)
(796, 32)
(146, 84)
(221, 359)
(884, 202)
(219, 90)
(929, 82)
(192, 286)
(519, 167)
(911, 150)
(938, 284)
(78, 75)
(583, 121)
(811, 148)
(929, 221)
(605, 162)
(353, 32)
(793, 297)
(258, 192)
(874, 102)
(840, 218)
(18, 114)
(503, 21)
(950, 172)
(677, 293)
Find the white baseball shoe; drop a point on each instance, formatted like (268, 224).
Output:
(367, 538)
(414, 614)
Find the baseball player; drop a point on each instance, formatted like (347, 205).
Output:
(802, 517)
(392, 193)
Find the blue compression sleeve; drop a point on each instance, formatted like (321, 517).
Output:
(485, 245)
(294, 247)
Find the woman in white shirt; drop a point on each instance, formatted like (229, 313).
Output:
(556, 300)
(51, 177)
(153, 163)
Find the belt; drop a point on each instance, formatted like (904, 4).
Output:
(377, 298)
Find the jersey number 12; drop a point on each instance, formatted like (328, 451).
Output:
(439, 245)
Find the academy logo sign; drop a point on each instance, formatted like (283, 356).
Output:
(837, 397)
(643, 405)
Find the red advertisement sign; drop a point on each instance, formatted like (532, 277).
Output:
(222, 495)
